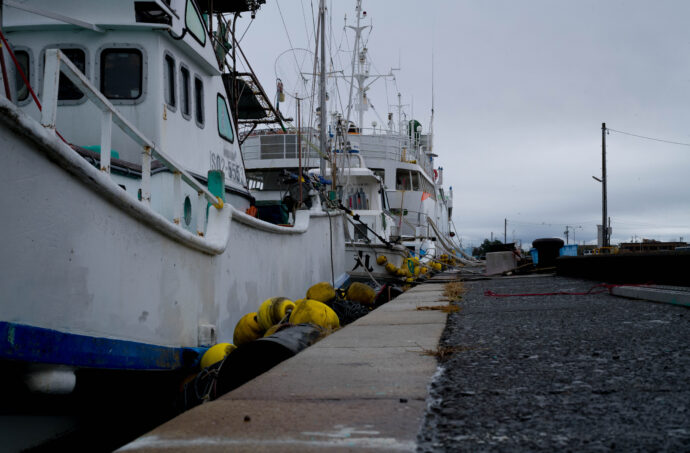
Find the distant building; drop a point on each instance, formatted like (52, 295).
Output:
(649, 245)
(600, 237)
(586, 249)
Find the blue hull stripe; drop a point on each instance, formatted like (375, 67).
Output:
(24, 343)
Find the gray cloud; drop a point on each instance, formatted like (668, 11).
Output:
(521, 91)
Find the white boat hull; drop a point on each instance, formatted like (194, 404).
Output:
(81, 266)
(361, 259)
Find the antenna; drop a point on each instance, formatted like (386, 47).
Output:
(431, 122)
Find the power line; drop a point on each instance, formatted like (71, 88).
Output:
(649, 138)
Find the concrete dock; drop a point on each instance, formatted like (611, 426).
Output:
(538, 363)
(362, 388)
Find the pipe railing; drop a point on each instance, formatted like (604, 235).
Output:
(55, 62)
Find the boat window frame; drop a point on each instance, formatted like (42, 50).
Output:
(427, 186)
(219, 98)
(409, 180)
(170, 79)
(385, 202)
(199, 106)
(144, 71)
(414, 180)
(31, 75)
(187, 87)
(42, 70)
(201, 20)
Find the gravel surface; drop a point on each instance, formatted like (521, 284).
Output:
(560, 373)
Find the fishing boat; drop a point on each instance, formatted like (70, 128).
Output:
(403, 154)
(392, 167)
(131, 247)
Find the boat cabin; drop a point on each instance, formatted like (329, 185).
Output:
(156, 62)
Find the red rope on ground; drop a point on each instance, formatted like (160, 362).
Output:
(603, 287)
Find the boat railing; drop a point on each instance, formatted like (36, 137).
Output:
(371, 143)
(391, 146)
(56, 62)
(277, 146)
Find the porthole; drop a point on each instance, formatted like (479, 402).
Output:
(187, 211)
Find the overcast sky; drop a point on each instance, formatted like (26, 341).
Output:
(521, 89)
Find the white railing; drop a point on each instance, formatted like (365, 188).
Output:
(393, 147)
(56, 61)
(375, 144)
(277, 146)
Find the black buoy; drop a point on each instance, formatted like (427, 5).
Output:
(547, 249)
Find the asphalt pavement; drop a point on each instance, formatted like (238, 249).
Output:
(589, 372)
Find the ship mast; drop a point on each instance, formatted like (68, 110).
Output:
(355, 51)
(322, 90)
(360, 71)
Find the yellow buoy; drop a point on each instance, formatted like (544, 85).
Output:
(392, 268)
(381, 260)
(273, 310)
(247, 329)
(323, 292)
(216, 353)
(314, 312)
(359, 292)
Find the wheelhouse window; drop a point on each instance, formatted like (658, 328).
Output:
(290, 146)
(361, 233)
(194, 24)
(169, 75)
(121, 73)
(272, 146)
(67, 91)
(402, 179)
(224, 124)
(23, 60)
(184, 93)
(415, 180)
(199, 101)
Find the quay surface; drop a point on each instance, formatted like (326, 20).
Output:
(529, 373)
(591, 372)
(362, 388)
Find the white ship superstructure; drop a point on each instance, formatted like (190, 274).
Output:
(400, 153)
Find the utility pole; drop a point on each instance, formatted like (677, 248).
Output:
(604, 225)
(566, 234)
(505, 230)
